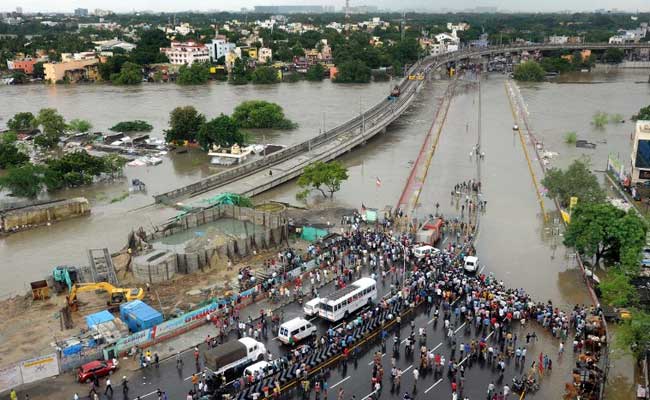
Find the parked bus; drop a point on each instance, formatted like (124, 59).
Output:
(344, 302)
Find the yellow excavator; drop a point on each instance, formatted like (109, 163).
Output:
(117, 295)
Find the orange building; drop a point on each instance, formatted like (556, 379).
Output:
(26, 65)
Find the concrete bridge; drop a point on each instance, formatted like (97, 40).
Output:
(256, 177)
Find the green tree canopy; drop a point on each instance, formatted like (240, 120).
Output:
(324, 177)
(80, 125)
(353, 71)
(614, 56)
(132, 126)
(634, 334)
(315, 72)
(221, 131)
(643, 114)
(10, 154)
(616, 289)
(148, 47)
(261, 114)
(601, 230)
(529, 71)
(22, 121)
(23, 181)
(53, 126)
(73, 169)
(576, 181)
(130, 74)
(196, 74)
(265, 75)
(239, 75)
(184, 124)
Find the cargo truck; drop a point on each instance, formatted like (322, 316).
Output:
(233, 356)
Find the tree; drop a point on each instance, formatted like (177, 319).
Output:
(80, 125)
(315, 72)
(113, 164)
(53, 127)
(19, 77)
(184, 124)
(39, 70)
(132, 126)
(600, 230)
(529, 71)
(148, 47)
(616, 289)
(643, 114)
(265, 75)
(353, 71)
(22, 121)
(23, 181)
(261, 114)
(239, 75)
(324, 177)
(576, 181)
(614, 56)
(130, 74)
(10, 154)
(634, 334)
(73, 169)
(195, 74)
(222, 131)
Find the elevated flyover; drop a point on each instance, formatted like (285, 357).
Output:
(256, 177)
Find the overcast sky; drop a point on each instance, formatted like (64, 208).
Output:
(176, 5)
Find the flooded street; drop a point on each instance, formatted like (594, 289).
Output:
(514, 241)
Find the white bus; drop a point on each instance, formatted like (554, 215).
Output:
(343, 302)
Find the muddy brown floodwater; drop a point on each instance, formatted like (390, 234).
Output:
(30, 255)
(514, 242)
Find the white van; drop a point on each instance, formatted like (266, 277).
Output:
(471, 264)
(422, 251)
(296, 329)
(311, 307)
(262, 368)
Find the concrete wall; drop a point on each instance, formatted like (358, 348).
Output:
(27, 217)
(157, 266)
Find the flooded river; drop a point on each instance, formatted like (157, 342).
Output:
(29, 255)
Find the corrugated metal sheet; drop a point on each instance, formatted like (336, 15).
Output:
(98, 318)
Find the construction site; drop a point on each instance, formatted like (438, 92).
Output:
(67, 303)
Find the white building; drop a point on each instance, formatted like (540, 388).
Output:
(264, 54)
(219, 47)
(107, 45)
(558, 39)
(186, 53)
(461, 26)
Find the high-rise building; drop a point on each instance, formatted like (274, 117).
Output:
(81, 12)
(19, 10)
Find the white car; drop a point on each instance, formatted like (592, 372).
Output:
(471, 264)
(422, 251)
(311, 307)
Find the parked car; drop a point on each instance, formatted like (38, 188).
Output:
(95, 368)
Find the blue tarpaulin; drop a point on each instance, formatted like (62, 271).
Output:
(98, 318)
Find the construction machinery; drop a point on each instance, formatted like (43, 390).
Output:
(64, 277)
(117, 295)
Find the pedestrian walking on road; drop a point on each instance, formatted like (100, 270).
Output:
(109, 387)
(125, 385)
(416, 375)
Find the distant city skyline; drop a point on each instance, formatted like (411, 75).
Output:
(68, 6)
